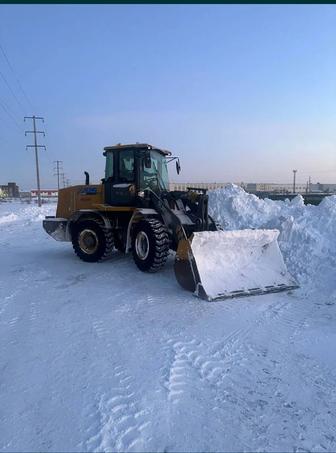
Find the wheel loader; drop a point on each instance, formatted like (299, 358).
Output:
(133, 210)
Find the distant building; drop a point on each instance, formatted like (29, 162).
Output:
(249, 187)
(257, 187)
(45, 193)
(200, 185)
(274, 187)
(10, 190)
(25, 194)
(326, 188)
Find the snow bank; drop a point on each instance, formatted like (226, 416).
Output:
(8, 218)
(307, 233)
(15, 213)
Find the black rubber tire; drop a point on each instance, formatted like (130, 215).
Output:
(104, 236)
(158, 244)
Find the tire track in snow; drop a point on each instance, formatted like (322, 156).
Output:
(120, 421)
(197, 372)
(264, 378)
(260, 377)
(295, 416)
(214, 362)
(210, 363)
(12, 322)
(176, 379)
(17, 288)
(249, 377)
(99, 328)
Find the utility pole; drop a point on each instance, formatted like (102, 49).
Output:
(58, 167)
(294, 178)
(36, 146)
(63, 179)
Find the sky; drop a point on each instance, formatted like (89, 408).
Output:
(241, 93)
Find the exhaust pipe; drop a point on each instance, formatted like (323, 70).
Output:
(87, 178)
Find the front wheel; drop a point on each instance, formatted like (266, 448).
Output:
(150, 245)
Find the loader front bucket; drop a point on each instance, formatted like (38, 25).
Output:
(218, 265)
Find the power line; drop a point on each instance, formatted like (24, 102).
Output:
(36, 146)
(13, 94)
(7, 110)
(16, 77)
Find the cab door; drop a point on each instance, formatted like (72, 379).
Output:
(120, 178)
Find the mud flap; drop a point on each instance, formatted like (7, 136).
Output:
(218, 265)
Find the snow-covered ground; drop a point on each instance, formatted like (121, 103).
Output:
(103, 357)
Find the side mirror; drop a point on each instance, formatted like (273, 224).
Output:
(148, 160)
(178, 166)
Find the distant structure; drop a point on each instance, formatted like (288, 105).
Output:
(10, 190)
(261, 187)
(254, 187)
(325, 188)
(200, 185)
(289, 188)
(44, 193)
(294, 180)
(24, 195)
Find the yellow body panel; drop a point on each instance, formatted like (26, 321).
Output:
(108, 208)
(72, 199)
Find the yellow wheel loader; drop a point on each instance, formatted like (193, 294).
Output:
(133, 210)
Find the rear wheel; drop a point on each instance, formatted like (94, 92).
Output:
(150, 245)
(91, 241)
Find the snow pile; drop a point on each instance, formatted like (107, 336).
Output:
(16, 217)
(8, 218)
(14, 213)
(307, 233)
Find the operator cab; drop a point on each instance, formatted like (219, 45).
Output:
(130, 170)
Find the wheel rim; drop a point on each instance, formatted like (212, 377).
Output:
(142, 245)
(88, 241)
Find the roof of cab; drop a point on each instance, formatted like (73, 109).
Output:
(121, 147)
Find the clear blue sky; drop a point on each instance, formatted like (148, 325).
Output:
(240, 93)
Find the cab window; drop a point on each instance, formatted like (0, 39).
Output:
(126, 166)
(155, 177)
(109, 173)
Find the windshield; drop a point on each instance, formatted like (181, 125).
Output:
(156, 177)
